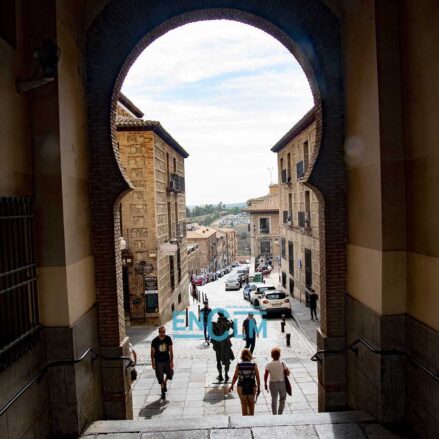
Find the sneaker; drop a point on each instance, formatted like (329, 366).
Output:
(220, 378)
(165, 389)
(227, 378)
(163, 394)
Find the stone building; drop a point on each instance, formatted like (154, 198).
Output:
(193, 260)
(299, 211)
(221, 249)
(153, 217)
(205, 238)
(232, 244)
(373, 75)
(264, 224)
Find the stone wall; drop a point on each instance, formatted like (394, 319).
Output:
(293, 199)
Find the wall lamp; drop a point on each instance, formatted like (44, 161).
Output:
(47, 57)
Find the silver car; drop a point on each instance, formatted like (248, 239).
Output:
(233, 284)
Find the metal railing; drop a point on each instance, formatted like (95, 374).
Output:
(18, 279)
(360, 341)
(40, 375)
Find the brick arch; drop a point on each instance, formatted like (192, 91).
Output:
(312, 34)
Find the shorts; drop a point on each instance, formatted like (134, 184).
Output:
(163, 369)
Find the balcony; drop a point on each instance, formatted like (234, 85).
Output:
(176, 183)
(264, 231)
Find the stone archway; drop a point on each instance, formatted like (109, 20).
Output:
(117, 36)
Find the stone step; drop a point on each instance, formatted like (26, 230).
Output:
(339, 425)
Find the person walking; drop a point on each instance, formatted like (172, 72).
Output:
(277, 370)
(222, 345)
(249, 382)
(313, 297)
(206, 312)
(162, 359)
(249, 331)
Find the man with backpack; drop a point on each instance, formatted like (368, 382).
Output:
(222, 345)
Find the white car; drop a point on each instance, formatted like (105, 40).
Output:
(232, 284)
(275, 302)
(256, 294)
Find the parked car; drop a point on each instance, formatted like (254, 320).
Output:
(233, 284)
(275, 302)
(220, 273)
(249, 288)
(255, 295)
(228, 269)
(206, 278)
(235, 264)
(199, 280)
(212, 277)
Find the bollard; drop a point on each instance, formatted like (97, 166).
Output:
(283, 317)
(198, 295)
(187, 317)
(288, 338)
(199, 312)
(282, 325)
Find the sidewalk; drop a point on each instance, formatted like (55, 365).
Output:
(301, 314)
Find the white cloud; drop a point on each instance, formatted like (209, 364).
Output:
(226, 92)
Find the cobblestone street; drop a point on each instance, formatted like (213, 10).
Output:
(192, 392)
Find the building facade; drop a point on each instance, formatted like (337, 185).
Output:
(193, 260)
(299, 212)
(153, 218)
(205, 238)
(264, 224)
(232, 244)
(373, 76)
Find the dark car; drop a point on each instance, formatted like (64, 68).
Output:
(212, 277)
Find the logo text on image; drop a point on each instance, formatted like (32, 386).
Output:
(180, 330)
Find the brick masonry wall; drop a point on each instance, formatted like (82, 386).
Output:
(312, 33)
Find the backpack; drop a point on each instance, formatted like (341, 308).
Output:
(248, 384)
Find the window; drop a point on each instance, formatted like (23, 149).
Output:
(285, 216)
(275, 296)
(290, 205)
(172, 308)
(179, 265)
(19, 322)
(305, 154)
(291, 257)
(171, 272)
(308, 268)
(265, 247)
(151, 302)
(288, 167)
(307, 208)
(292, 286)
(284, 279)
(283, 248)
(264, 225)
(175, 165)
(169, 221)
(300, 170)
(8, 22)
(301, 218)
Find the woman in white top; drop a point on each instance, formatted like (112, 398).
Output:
(277, 371)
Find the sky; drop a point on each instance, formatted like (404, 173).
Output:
(226, 92)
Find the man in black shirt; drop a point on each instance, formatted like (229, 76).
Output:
(162, 359)
(206, 311)
(313, 304)
(222, 345)
(250, 332)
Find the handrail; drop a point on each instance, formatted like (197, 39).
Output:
(353, 347)
(39, 376)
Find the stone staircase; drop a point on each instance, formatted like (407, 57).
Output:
(337, 425)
